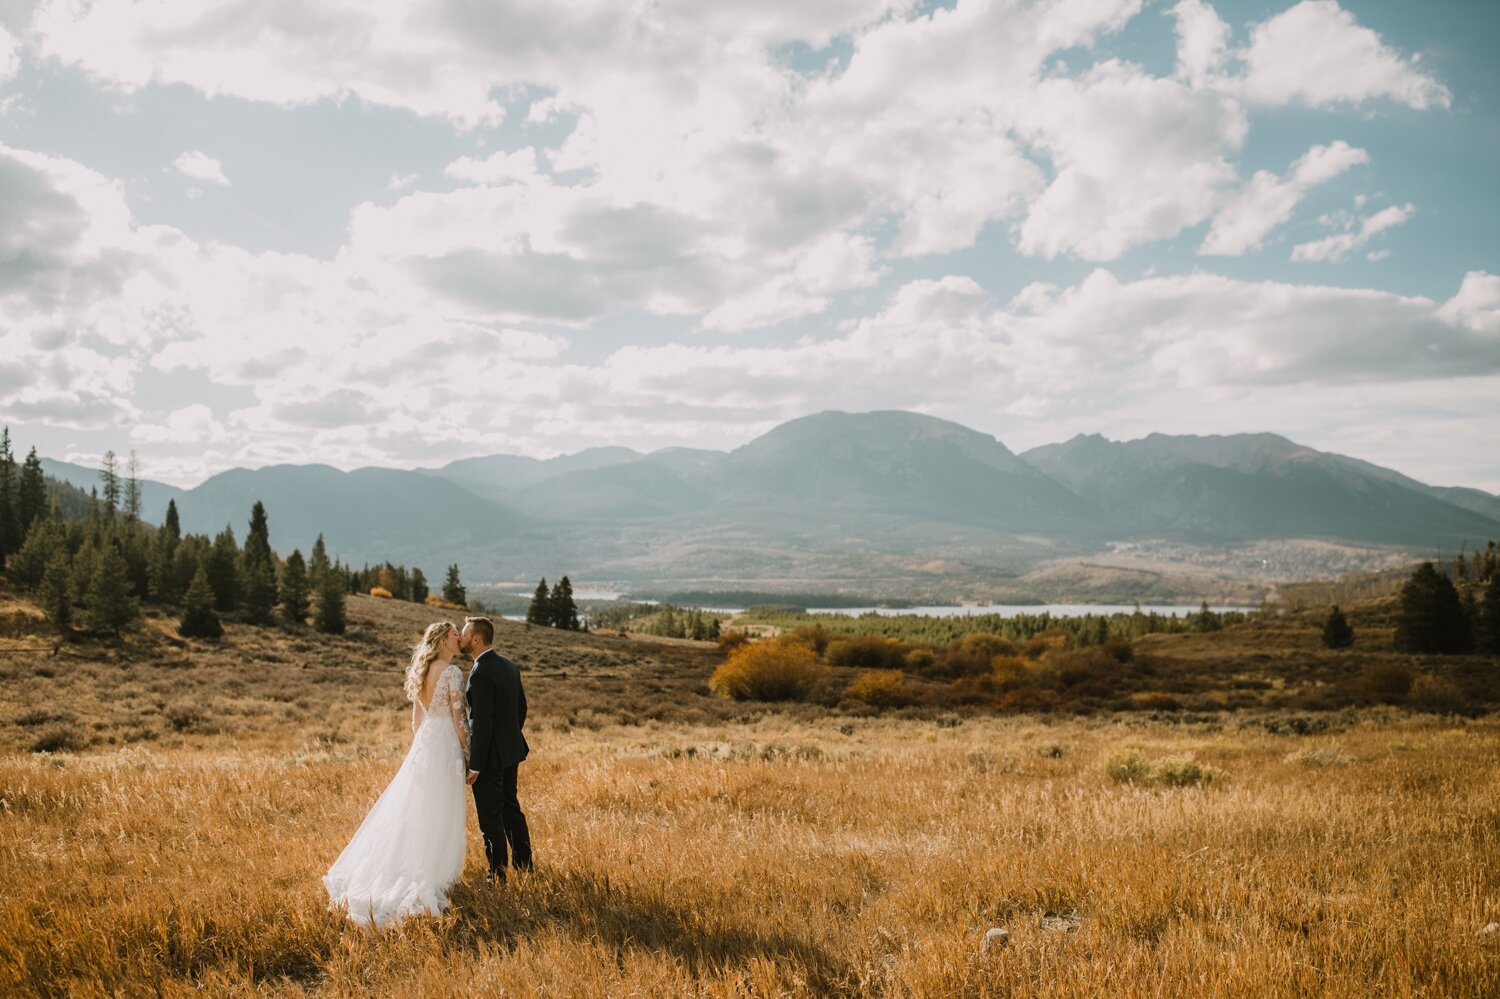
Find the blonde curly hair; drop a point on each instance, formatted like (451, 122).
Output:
(424, 655)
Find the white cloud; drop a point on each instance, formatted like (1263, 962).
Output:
(519, 167)
(684, 115)
(702, 178)
(1138, 159)
(1202, 42)
(1477, 304)
(192, 424)
(1316, 53)
(1335, 248)
(201, 166)
(347, 367)
(1266, 200)
(10, 55)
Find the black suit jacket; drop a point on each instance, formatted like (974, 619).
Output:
(497, 713)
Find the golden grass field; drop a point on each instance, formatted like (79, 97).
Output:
(689, 846)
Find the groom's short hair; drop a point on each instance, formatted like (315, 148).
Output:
(483, 627)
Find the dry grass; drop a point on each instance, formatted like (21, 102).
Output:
(719, 849)
(783, 857)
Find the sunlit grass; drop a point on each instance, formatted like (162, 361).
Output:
(822, 857)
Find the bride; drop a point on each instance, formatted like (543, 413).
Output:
(410, 848)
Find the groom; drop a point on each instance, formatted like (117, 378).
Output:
(497, 710)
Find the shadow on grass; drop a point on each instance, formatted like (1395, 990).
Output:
(594, 907)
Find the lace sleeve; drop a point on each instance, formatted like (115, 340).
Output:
(459, 709)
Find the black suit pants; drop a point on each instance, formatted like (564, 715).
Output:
(501, 821)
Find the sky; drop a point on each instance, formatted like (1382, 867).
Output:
(248, 232)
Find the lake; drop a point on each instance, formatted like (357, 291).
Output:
(959, 610)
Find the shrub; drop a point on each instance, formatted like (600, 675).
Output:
(814, 636)
(920, 660)
(1436, 695)
(769, 671)
(1127, 768)
(1010, 673)
(1387, 682)
(883, 688)
(1029, 700)
(973, 654)
(728, 640)
(1319, 754)
(60, 738)
(1183, 771)
(381, 592)
(1157, 701)
(1130, 767)
(434, 600)
(869, 651)
(1051, 640)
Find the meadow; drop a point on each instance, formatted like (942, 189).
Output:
(167, 807)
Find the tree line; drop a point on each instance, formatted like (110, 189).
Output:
(664, 620)
(92, 564)
(1083, 631)
(1452, 609)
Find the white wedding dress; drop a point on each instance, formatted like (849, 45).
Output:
(410, 848)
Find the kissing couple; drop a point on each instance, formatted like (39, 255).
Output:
(410, 848)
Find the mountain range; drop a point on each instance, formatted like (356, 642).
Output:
(834, 499)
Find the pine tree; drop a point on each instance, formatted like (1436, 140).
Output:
(319, 565)
(198, 617)
(191, 555)
(53, 593)
(1432, 616)
(46, 538)
(85, 564)
(165, 588)
(564, 613)
(134, 545)
(1337, 632)
(258, 568)
(110, 476)
(295, 596)
(167, 584)
(111, 607)
(540, 609)
(1487, 636)
(132, 490)
(10, 501)
(419, 589)
(32, 498)
(172, 525)
(330, 615)
(453, 590)
(224, 571)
